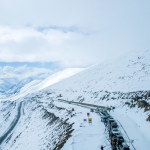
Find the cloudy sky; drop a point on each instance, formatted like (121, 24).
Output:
(71, 33)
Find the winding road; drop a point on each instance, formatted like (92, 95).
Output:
(12, 125)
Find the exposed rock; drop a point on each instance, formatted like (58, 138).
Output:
(127, 103)
(148, 119)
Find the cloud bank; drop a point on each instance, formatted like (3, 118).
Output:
(72, 33)
(24, 72)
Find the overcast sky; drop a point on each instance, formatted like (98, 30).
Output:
(72, 33)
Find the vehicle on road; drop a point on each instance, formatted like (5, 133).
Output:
(104, 118)
(110, 121)
(108, 116)
(115, 131)
(97, 110)
(104, 112)
(120, 139)
(113, 126)
(124, 147)
(92, 110)
(111, 135)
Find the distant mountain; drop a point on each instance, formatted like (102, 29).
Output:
(7, 83)
(17, 87)
(13, 79)
(36, 83)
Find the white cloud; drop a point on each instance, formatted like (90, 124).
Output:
(73, 33)
(24, 72)
(30, 45)
(8, 69)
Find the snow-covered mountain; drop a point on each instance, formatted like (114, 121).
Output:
(130, 72)
(58, 77)
(13, 79)
(126, 78)
(121, 83)
(30, 85)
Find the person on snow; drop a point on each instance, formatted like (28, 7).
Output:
(112, 142)
(102, 147)
(105, 122)
(115, 141)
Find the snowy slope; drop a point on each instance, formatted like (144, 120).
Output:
(122, 83)
(42, 125)
(130, 72)
(58, 77)
(47, 124)
(36, 85)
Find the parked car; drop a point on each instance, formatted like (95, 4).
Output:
(104, 118)
(111, 117)
(115, 131)
(113, 126)
(92, 110)
(124, 147)
(110, 121)
(108, 116)
(111, 135)
(120, 139)
(104, 112)
(97, 110)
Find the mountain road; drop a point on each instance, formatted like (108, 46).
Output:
(12, 125)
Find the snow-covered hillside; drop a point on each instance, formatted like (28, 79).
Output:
(122, 84)
(25, 87)
(57, 77)
(130, 72)
(125, 78)
(40, 124)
